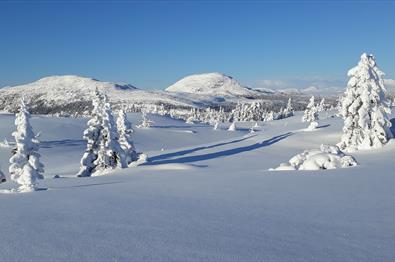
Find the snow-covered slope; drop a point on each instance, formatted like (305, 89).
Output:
(206, 195)
(214, 84)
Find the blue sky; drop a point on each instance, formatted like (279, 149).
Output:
(153, 44)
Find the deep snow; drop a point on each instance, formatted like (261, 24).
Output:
(206, 195)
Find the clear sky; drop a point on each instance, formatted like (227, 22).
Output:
(153, 44)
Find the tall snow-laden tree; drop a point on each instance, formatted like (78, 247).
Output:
(310, 114)
(92, 136)
(365, 108)
(125, 137)
(110, 154)
(25, 166)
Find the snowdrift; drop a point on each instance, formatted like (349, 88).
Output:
(327, 157)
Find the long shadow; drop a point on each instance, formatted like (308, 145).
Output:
(88, 185)
(66, 142)
(188, 151)
(185, 126)
(224, 153)
(323, 126)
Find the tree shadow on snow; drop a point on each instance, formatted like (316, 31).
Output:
(87, 185)
(323, 126)
(188, 151)
(66, 142)
(172, 126)
(223, 153)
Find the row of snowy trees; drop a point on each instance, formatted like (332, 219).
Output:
(243, 112)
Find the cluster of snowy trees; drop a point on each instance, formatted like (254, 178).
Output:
(311, 113)
(242, 112)
(109, 142)
(256, 111)
(109, 145)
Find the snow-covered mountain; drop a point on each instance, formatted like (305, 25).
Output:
(71, 94)
(215, 84)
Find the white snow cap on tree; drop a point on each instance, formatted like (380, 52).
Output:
(365, 108)
(125, 137)
(25, 168)
(310, 114)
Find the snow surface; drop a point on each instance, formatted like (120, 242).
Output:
(205, 195)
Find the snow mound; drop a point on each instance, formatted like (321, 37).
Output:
(210, 84)
(327, 157)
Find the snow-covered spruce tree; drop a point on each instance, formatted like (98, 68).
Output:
(321, 106)
(125, 137)
(110, 154)
(232, 126)
(365, 108)
(92, 136)
(25, 166)
(310, 114)
(145, 122)
(269, 116)
(289, 111)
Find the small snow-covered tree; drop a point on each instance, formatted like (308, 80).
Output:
(110, 154)
(289, 111)
(310, 114)
(25, 166)
(125, 137)
(92, 136)
(145, 122)
(321, 106)
(232, 126)
(365, 108)
(269, 116)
